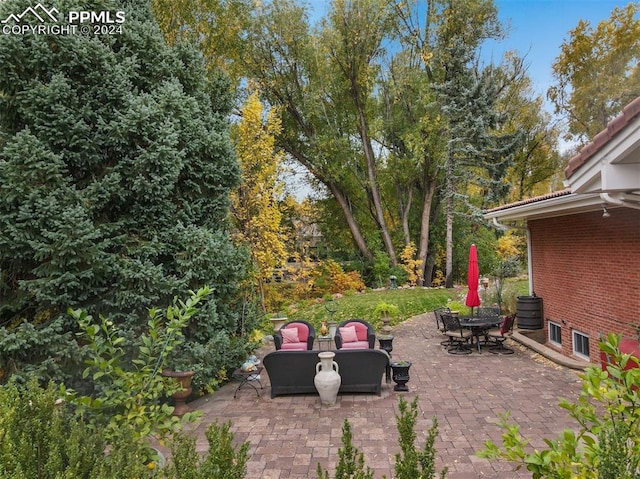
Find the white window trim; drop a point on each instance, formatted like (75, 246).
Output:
(555, 343)
(573, 344)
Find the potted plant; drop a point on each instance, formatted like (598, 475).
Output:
(385, 311)
(457, 308)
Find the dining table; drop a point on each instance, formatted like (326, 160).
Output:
(478, 325)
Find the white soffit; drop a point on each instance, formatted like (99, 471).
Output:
(615, 167)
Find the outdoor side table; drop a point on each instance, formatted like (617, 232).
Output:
(248, 378)
(324, 342)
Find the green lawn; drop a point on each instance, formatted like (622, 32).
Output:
(410, 302)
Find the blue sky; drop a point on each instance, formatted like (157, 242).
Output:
(538, 28)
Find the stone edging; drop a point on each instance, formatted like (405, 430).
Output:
(549, 353)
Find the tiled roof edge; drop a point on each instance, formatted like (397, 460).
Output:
(614, 127)
(535, 199)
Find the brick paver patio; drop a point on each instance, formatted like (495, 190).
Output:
(289, 435)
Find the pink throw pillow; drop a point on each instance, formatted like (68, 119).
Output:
(361, 331)
(348, 334)
(290, 335)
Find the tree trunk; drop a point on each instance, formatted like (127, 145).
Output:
(373, 184)
(404, 214)
(425, 224)
(357, 235)
(431, 262)
(450, 191)
(342, 200)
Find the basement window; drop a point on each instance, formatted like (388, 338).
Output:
(581, 345)
(555, 334)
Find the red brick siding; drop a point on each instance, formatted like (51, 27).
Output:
(586, 268)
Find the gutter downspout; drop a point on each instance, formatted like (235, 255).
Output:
(618, 201)
(529, 262)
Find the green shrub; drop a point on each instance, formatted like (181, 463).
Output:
(41, 349)
(607, 442)
(350, 459)
(458, 306)
(41, 438)
(222, 461)
(410, 463)
(131, 393)
(381, 268)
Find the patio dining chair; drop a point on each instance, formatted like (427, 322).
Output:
(488, 312)
(498, 336)
(438, 312)
(460, 338)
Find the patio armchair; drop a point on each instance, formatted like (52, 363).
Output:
(355, 334)
(498, 336)
(296, 335)
(460, 338)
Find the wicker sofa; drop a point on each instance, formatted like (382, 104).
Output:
(292, 372)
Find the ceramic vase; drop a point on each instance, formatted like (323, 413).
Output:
(327, 379)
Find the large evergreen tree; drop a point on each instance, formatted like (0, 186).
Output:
(115, 174)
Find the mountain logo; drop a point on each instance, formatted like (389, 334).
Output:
(41, 13)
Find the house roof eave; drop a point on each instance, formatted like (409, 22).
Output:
(561, 205)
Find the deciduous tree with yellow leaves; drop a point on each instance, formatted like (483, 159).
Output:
(255, 204)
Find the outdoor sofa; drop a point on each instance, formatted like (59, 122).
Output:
(292, 372)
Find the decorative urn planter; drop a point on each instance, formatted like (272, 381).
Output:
(386, 343)
(327, 380)
(400, 374)
(278, 323)
(180, 397)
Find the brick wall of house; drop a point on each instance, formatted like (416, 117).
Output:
(586, 268)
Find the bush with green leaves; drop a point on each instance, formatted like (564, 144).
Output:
(351, 463)
(222, 461)
(606, 442)
(411, 463)
(42, 438)
(132, 392)
(115, 173)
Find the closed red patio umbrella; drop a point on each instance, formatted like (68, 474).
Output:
(473, 273)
